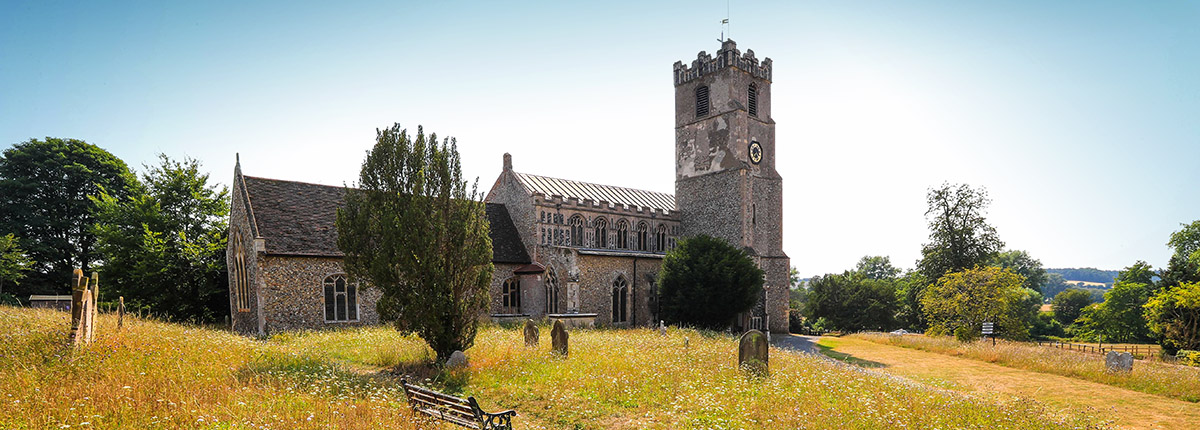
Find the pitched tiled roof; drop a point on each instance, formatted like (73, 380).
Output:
(297, 218)
(587, 191)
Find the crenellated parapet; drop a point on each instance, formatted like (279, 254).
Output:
(727, 56)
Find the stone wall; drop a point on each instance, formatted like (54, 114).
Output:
(243, 321)
(293, 295)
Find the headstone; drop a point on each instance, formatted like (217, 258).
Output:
(558, 338)
(662, 327)
(531, 334)
(752, 352)
(457, 360)
(83, 334)
(1118, 361)
(78, 285)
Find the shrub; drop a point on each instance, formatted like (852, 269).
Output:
(1190, 358)
(706, 282)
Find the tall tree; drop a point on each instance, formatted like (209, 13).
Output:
(416, 232)
(13, 262)
(960, 302)
(1121, 317)
(1139, 273)
(852, 301)
(877, 267)
(706, 282)
(1173, 314)
(1069, 304)
(164, 247)
(44, 189)
(959, 236)
(1021, 263)
(1184, 265)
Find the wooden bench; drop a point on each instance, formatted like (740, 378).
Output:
(452, 409)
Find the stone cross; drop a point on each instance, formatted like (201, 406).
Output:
(753, 352)
(531, 334)
(1118, 361)
(558, 338)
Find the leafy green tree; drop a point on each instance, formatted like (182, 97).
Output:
(1055, 283)
(13, 262)
(44, 189)
(1121, 317)
(877, 267)
(1139, 273)
(909, 289)
(960, 302)
(798, 291)
(164, 247)
(1069, 304)
(1184, 265)
(416, 232)
(706, 282)
(959, 236)
(852, 301)
(1021, 263)
(1173, 315)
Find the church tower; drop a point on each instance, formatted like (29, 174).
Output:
(726, 184)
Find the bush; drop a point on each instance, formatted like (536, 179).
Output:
(706, 282)
(1190, 358)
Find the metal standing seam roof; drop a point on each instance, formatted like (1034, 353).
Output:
(584, 191)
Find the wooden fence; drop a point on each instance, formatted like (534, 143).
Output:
(1144, 350)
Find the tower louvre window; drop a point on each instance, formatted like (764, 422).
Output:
(753, 100)
(701, 101)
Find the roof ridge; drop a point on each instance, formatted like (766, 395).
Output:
(294, 182)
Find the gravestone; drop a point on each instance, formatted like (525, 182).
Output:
(457, 360)
(662, 328)
(558, 338)
(531, 334)
(121, 312)
(752, 352)
(1118, 361)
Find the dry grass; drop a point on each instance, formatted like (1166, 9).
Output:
(1179, 382)
(156, 375)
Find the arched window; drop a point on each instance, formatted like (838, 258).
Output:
(642, 236)
(601, 232)
(622, 234)
(620, 300)
(511, 297)
(241, 283)
(576, 224)
(660, 238)
(341, 299)
(701, 101)
(752, 97)
(551, 292)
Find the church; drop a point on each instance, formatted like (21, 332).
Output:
(588, 254)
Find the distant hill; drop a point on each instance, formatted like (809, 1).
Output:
(1087, 274)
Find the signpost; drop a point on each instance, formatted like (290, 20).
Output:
(989, 330)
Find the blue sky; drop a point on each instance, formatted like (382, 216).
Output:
(1081, 120)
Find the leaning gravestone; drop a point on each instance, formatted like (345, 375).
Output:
(1118, 361)
(531, 334)
(752, 352)
(558, 338)
(457, 360)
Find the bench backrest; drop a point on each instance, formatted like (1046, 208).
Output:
(451, 408)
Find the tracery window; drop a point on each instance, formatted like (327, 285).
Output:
(341, 299)
(642, 236)
(576, 224)
(660, 238)
(753, 99)
(511, 297)
(601, 233)
(551, 292)
(622, 234)
(620, 300)
(241, 281)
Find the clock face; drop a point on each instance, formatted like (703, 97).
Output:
(756, 152)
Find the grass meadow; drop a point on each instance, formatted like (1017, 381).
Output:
(1152, 377)
(156, 375)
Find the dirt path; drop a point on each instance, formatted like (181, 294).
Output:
(1129, 409)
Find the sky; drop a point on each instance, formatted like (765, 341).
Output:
(1080, 119)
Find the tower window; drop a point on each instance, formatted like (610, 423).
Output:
(752, 96)
(701, 101)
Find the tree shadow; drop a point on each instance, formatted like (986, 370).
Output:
(828, 351)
